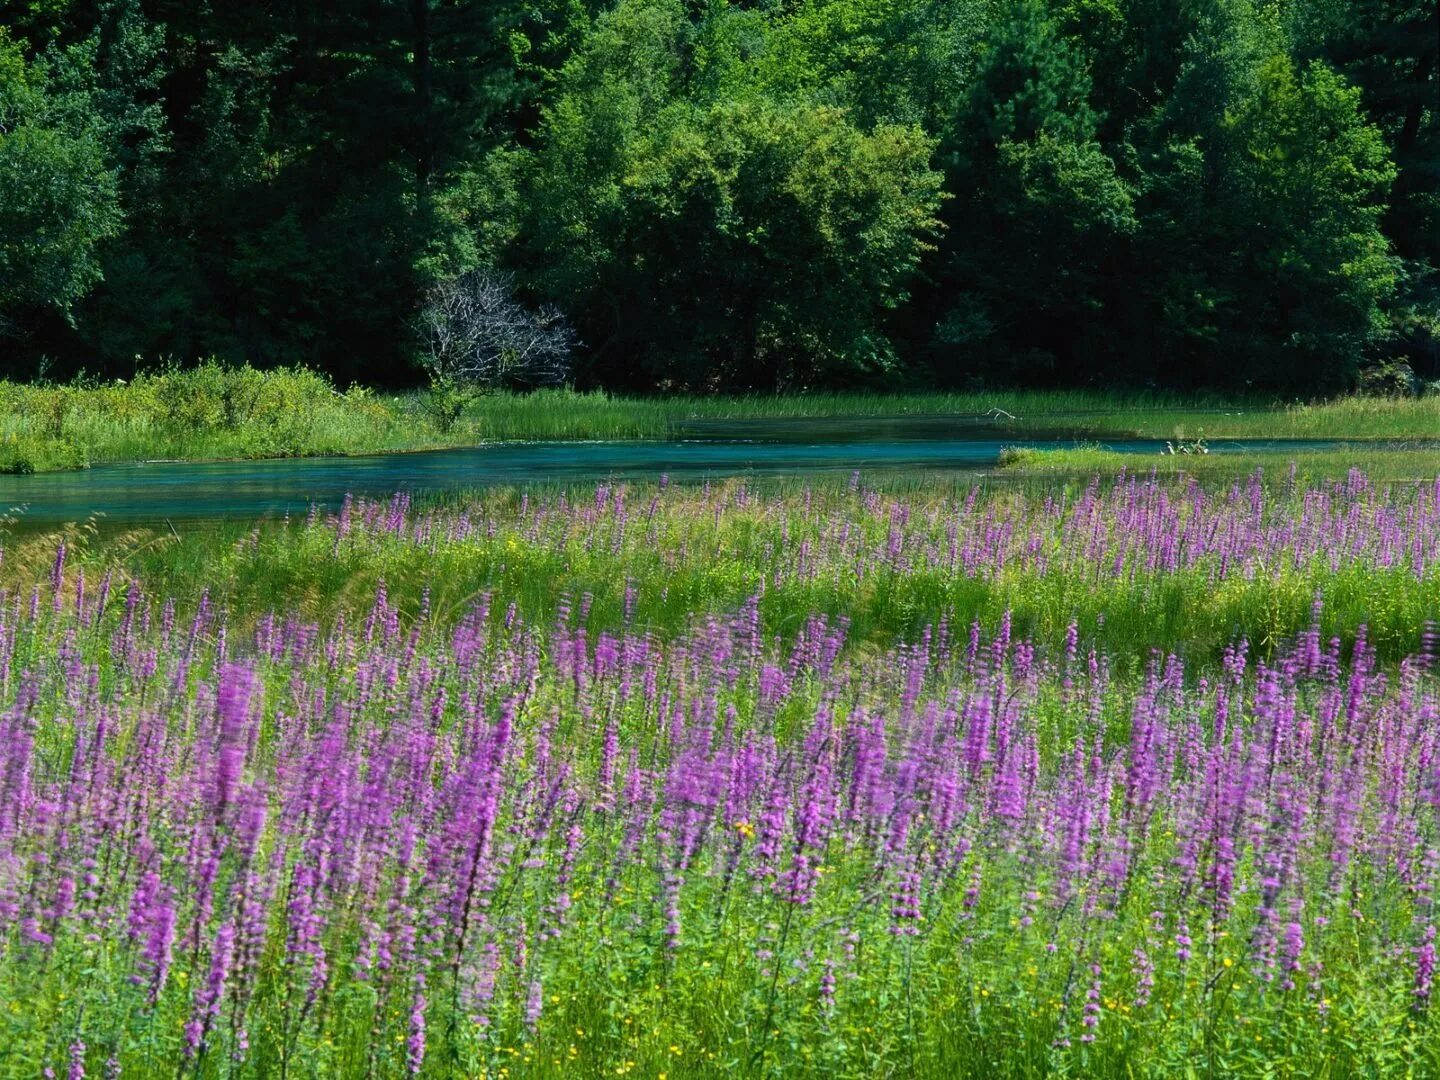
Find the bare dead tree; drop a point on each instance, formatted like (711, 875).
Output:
(475, 332)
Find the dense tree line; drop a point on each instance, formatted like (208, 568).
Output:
(741, 194)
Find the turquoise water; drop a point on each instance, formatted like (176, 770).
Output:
(186, 491)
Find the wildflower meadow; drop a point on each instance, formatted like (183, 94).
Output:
(868, 786)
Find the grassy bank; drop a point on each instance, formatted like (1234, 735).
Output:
(1084, 460)
(212, 412)
(1138, 563)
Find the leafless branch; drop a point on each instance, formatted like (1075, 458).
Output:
(476, 332)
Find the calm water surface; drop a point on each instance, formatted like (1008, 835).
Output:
(155, 492)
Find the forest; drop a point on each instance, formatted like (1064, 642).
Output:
(727, 195)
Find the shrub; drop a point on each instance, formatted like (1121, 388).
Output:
(23, 454)
(474, 331)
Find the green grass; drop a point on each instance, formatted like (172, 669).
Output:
(1031, 413)
(1116, 415)
(982, 991)
(988, 986)
(1379, 463)
(802, 547)
(212, 412)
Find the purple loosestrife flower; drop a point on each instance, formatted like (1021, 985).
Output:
(1294, 944)
(610, 752)
(971, 899)
(905, 914)
(237, 683)
(871, 794)
(813, 815)
(1425, 966)
(1090, 1015)
(415, 1041)
(827, 988)
(159, 940)
(672, 883)
(1183, 942)
(771, 829)
(385, 800)
(557, 911)
(210, 994)
(484, 987)
(1144, 970)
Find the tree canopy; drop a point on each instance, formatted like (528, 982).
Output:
(731, 194)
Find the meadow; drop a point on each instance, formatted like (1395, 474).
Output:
(1088, 733)
(1138, 561)
(213, 412)
(1136, 776)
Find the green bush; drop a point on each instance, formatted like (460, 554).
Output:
(22, 454)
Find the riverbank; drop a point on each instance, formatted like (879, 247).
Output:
(1386, 462)
(211, 412)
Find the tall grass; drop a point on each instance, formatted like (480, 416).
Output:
(205, 412)
(236, 844)
(1078, 413)
(215, 412)
(1137, 562)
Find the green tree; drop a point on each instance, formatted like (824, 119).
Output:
(1038, 215)
(1390, 49)
(58, 199)
(712, 236)
(1261, 185)
(885, 61)
(732, 192)
(1307, 178)
(291, 179)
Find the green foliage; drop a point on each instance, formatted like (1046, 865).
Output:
(447, 400)
(57, 193)
(219, 411)
(1308, 174)
(721, 238)
(209, 411)
(729, 194)
(707, 548)
(290, 183)
(994, 983)
(1231, 228)
(895, 61)
(1390, 50)
(1031, 79)
(1040, 207)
